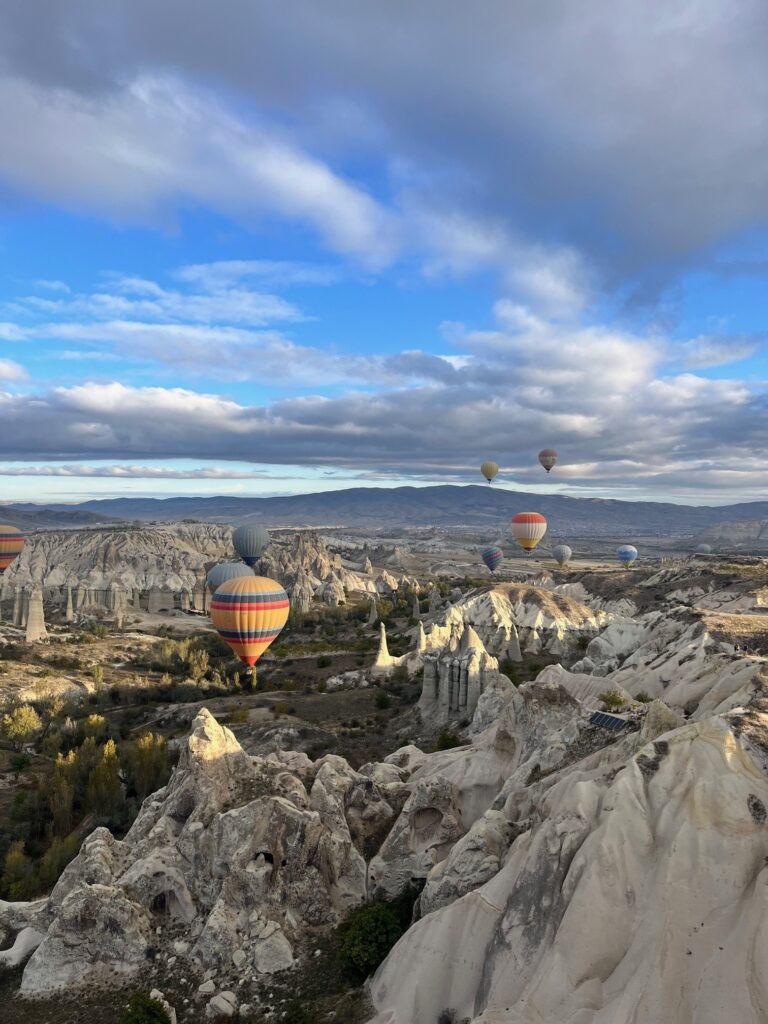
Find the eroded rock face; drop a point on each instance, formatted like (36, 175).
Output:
(236, 854)
(667, 854)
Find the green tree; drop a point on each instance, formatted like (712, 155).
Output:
(96, 726)
(144, 1010)
(104, 788)
(18, 881)
(21, 725)
(198, 662)
(97, 674)
(368, 935)
(148, 763)
(55, 859)
(61, 795)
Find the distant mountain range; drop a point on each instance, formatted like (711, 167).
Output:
(376, 508)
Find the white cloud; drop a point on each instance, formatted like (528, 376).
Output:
(707, 351)
(133, 472)
(158, 145)
(12, 373)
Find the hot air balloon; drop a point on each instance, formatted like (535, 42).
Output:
(703, 549)
(250, 542)
(547, 457)
(249, 612)
(493, 557)
(11, 543)
(226, 571)
(562, 554)
(528, 528)
(627, 554)
(489, 470)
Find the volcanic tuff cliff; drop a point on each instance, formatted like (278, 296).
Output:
(570, 873)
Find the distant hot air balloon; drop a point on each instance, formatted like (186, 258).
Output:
(528, 528)
(703, 549)
(547, 457)
(489, 470)
(226, 571)
(249, 612)
(627, 554)
(11, 543)
(562, 554)
(493, 557)
(250, 542)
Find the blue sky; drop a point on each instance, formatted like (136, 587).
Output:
(279, 250)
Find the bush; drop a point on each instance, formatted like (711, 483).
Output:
(382, 701)
(446, 740)
(612, 700)
(643, 697)
(296, 1012)
(240, 716)
(280, 709)
(368, 935)
(143, 1010)
(324, 661)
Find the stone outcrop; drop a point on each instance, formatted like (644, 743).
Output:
(239, 852)
(35, 624)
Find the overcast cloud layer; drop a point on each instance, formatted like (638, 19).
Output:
(583, 157)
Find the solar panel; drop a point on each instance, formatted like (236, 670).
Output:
(611, 722)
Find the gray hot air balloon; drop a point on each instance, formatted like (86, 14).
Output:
(562, 554)
(489, 470)
(703, 549)
(226, 571)
(547, 457)
(250, 542)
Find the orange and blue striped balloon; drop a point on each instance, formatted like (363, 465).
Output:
(11, 543)
(249, 612)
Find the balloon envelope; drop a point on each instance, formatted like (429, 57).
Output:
(528, 528)
(627, 554)
(493, 557)
(547, 457)
(562, 554)
(489, 470)
(226, 571)
(250, 542)
(249, 612)
(704, 549)
(12, 541)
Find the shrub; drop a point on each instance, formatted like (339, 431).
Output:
(143, 1010)
(280, 709)
(324, 661)
(446, 740)
(612, 700)
(368, 935)
(643, 697)
(240, 716)
(382, 701)
(20, 762)
(296, 1012)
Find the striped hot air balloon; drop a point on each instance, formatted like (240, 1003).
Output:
(626, 554)
(249, 612)
(489, 470)
(493, 557)
(12, 542)
(562, 554)
(547, 457)
(528, 528)
(250, 542)
(226, 571)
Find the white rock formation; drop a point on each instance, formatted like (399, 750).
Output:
(240, 852)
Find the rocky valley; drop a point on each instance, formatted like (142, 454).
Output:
(450, 798)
